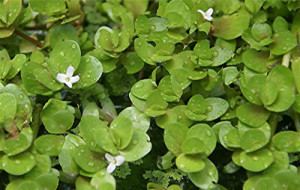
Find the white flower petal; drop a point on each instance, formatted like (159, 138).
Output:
(209, 18)
(109, 157)
(69, 84)
(74, 79)
(70, 71)
(119, 160)
(61, 77)
(210, 11)
(202, 12)
(111, 168)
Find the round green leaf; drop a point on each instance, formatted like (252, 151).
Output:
(268, 93)
(174, 136)
(288, 141)
(122, 129)
(206, 177)
(19, 164)
(89, 70)
(139, 146)
(63, 55)
(132, 62)
(229, 75)
(138, 119)
(206, 134)
(143, 88)
(190, 163)
(256, 161)
(102, 137)
(228, 135)
(88, 160)
(87, 126)
(261, 31)
(256, 60)
(60, 33)
(42, 166)
(193, 145)
(48, 7)
(284, 41)
(197, 104)
(49, 144)
(250, 88)
(13, 9)
(216, 107)
(253, 139)
(8, 106)
(48, 181)
(20, 144)
(65, 157)
(252, 115)
(29, 185)
(231, 27)
(283, 78)
(288, 179)
(103, 180)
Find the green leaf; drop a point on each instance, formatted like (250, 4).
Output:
(48, 7)
(56, 116)
(60, 33)
(252, 115)
(296, 70)
(283, 78)
(144, 50)
(138, 119)
(230, 27)
(137, 7)
(48, 180)
(261, 31)
(138, 147)
(268, 93)
(63, 55)
(190, 163)
(205, 133)
(123, 130)
(49, 144)
(256, 60)
(174, 136)
(16, 65)
(13, 9)
(143, 88)
(280, 24)
(132, 62)
(88, 160)
(103, 180)
(89, 70)
(8, 106)
(193, 145)
(206, 177)
(216, 107)
(253, 139)
(288, 178)
(256, 161)
(229, 136)
(18, 164)
(66, 155)
(229, 75)
(20, 144)
(102, 137)
(283, 42)
(288, 141)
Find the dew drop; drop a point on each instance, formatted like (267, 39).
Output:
(73, 46)
(18, 161)
(91, 164)
(62, 53)
(255, 158)
(21, 97)
(208, 133)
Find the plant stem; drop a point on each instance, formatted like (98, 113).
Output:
(286, 59)
(32, 40)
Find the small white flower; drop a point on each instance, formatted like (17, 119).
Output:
(68, 78)
(113, 162)
(207, 15)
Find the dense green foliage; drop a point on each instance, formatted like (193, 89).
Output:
(149, 94)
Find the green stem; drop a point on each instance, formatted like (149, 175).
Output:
(286, 59)
(35, 124)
